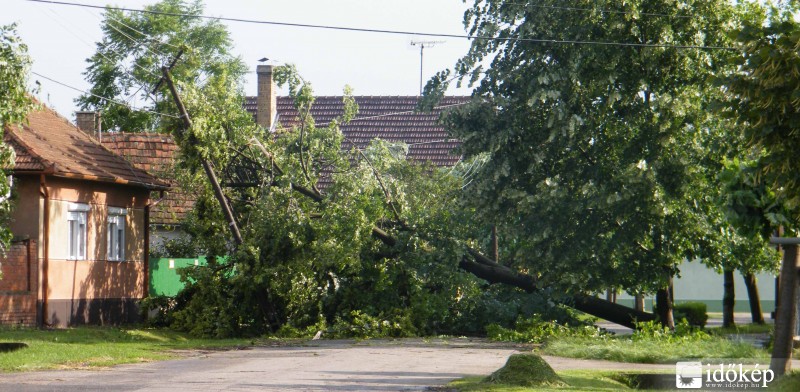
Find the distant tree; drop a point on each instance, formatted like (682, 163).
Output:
(14, 104)
(596, 150)
(134, 47)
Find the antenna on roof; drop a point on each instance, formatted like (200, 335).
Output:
(422, 45)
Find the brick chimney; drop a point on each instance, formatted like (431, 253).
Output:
(266, 102)
(88, 122)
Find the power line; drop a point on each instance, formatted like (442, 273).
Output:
(125, 69)
(397, 32)
(103, 98)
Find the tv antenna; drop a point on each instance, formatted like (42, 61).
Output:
(422, 45)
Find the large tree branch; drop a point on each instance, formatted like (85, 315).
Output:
(487, 269)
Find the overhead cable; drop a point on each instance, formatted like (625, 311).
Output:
(397, 32)
(104, 98)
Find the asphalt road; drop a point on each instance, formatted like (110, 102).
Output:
(319, 366)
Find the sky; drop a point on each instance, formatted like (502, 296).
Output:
(60, 38)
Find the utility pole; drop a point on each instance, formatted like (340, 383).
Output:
(212, 177)
(422, 45)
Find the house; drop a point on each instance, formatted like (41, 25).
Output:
(81, 213)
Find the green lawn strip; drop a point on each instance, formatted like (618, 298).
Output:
(626, 349)
(98, 346)
(742, 329)
(788, 383)
(577, 380)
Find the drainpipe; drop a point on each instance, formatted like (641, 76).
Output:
(45, 246)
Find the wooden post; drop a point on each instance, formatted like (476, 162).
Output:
(212, 178)
(786, 312)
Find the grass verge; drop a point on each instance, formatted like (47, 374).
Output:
(576, 380)
(626, 349)
(99, 346)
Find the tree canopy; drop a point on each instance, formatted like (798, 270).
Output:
(595, 132)
(135, 45)
(14, 104)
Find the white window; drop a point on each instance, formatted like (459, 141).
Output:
(77, 230)
(116, 233)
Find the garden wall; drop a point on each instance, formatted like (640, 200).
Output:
(19, 284)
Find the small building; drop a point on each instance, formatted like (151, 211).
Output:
(83, 211)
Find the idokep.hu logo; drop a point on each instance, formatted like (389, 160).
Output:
(722, 376)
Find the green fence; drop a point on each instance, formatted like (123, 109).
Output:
(164, 276)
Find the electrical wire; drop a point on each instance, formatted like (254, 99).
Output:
(397, 32)
(104, 98)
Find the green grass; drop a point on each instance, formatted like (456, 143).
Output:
(742, 329)
(98, 346)
(626, 349)
(789, 383)
(576, 380)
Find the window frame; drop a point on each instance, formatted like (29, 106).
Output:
(116, 225)
(77, 245)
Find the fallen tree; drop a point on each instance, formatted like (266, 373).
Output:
(489, 270)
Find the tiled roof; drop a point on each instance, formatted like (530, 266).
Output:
(49, 143)
(156, 154)
(390, 118)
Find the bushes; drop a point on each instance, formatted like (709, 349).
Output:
(694, 313)
(537, 329)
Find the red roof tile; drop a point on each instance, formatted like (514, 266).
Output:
(390, 118)
(49, 143)
(155, 153)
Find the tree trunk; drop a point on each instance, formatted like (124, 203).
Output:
(785, 314)
(638, 302)
(752, 295)
(664, 306)
(496, 273)
(728, 298)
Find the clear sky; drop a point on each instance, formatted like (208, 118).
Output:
(60, 38)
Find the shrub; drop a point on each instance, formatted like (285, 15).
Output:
(694, 313)
(536, 329)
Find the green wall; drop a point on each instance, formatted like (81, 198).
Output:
(164, 276)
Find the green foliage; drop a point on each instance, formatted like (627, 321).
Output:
(309, 261)
(683, 332)
(693, 312)
(527, 370)
(536, 329)
(156, 310)
(762, 99)
(180, 247)
(134, 47)
(14, 104)
(598, 170)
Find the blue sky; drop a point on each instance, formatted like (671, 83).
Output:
(60, 38)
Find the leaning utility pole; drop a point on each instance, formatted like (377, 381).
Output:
(422, 46)
(212, 177)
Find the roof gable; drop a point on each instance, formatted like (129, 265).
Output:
(49, 143)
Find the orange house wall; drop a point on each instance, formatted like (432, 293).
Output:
(94, 290)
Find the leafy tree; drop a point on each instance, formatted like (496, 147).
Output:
(596, 150)
(14, 104)
(763, 99)
(134, 47)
